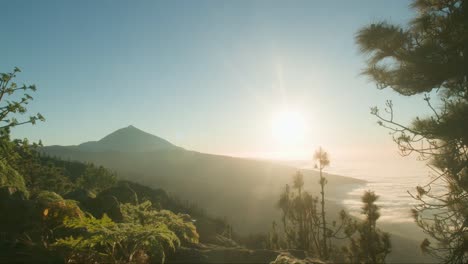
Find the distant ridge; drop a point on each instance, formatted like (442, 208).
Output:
(128, 139)
(242, 190)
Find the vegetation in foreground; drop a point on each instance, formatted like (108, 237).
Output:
(64, 211)
(429, 57)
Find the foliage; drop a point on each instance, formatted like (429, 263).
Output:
(322, 158)
(429, 57)
(45, 213)
(300, 217)
(8, 108)
(45, 173)
(10, 177)
(303, 224)
(50, 212)
(144, 231)
(103, 240)
(273, 237)
(30, 225)
(372, 246)
(144, 214)
(42, 176)
(96, 179)
(35, 221)
(55, 209)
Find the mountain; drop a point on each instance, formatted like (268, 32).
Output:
(245, 191)
(128, 139)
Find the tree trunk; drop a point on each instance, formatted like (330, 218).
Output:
(324, 224)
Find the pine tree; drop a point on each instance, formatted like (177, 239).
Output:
(430, 57)
(372, 246)
(303, 224)
(322, 158)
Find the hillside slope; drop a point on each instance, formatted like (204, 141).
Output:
(242, 190)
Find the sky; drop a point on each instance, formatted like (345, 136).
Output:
(206, 75)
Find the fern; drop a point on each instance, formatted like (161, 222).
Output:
(181, 224)
(108, 241)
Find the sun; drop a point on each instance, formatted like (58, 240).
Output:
(288, 127)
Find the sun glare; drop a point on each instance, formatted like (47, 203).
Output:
(288, 127)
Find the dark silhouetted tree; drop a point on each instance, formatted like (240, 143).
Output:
(290, 203)
(302, 223)
(372, 246)
(430, 57)
(300, 218)
(273, 237)
(321, 157)
(284, 204)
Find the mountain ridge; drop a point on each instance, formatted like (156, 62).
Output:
(243, 191)
(247, 185)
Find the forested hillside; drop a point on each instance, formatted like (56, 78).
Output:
(246, 185)
(70, 210)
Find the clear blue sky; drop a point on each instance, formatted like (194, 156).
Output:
(205, 75)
